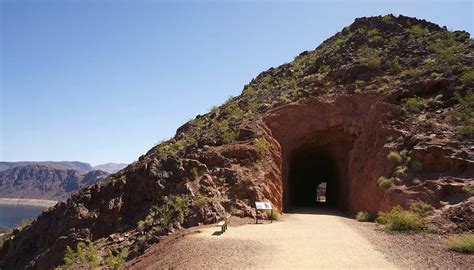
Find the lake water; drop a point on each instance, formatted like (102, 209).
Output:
(12, 215)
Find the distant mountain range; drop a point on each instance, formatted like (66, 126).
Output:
(65, 165)
(43, 182)
(50, 180)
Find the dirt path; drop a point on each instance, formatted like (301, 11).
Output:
(297, 241)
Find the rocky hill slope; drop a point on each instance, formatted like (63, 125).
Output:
(43, 182)
(382, 112)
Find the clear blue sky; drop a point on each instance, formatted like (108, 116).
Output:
(103, 81)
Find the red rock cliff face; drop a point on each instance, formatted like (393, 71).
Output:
(350, 128)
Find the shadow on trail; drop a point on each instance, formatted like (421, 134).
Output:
(319, 210)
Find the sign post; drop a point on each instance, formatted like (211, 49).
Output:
(264, 206)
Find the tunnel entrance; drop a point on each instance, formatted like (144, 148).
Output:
(313, 179)
(317, 173)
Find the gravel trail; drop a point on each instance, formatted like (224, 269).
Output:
(299, 240)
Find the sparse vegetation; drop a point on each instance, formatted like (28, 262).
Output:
(116, 262)
(384, 182)
(399, 171)
(261, 144)
(86, 255)
(446, 48)
(462, 243)
(370, 56)
(193, 172)
(365, 216)
(233, 211)
(422, 209)
(418, 30)
(383, 89)
(467, 77)
(200, 201)
(465, 114)
(395, 157)
(468, 188)
(413, 104)
(273, 214)
(401, 220)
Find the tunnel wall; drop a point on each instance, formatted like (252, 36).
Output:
(350, 127)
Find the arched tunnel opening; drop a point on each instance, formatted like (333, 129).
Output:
(317, 174)
(308, 170)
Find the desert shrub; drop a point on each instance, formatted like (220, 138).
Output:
(200, 201)
(404, 154)
(383, 89)
(69, 256)
(274, 215)
(395, 157)
(116, 262)
(141, 225)
(369, 56)
(418, 30)
(387, 18)
(233, 211)
(446, 47)
(171, 209)
(261, 144)
(468, 188)
(465, 113)
(400, 220)
(249, 91)
(374, 35)
(467, 77)
(365, 216)
(399, 171)
(384, 182)
(422, 209)
(193, 172)
(413, 72)
(87, 255)
(324, 69)
(462, 243)
(413, 104)
(395, 64)
(92, 256)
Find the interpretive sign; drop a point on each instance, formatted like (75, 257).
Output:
(264, 206)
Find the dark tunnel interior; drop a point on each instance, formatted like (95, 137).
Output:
(308, 168)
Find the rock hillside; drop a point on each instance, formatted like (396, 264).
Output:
(386, 97)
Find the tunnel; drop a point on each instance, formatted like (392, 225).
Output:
(319, 162)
